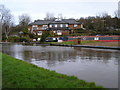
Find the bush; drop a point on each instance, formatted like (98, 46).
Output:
(24, 39)
(14, 39)
(3, 37)
(18, 39)
(44, 36)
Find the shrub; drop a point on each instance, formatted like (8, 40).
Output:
(18, 39)
(44, 36)
(14, 39)
(24, 39)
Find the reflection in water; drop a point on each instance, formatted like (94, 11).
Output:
(97, 65)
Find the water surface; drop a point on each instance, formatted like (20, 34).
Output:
(93, 65)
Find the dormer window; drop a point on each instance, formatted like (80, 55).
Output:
(58, 19)
(75, 25)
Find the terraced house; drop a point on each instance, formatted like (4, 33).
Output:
(56, 27)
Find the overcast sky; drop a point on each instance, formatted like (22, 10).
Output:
(37, 9)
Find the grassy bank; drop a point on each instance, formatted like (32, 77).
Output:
(20, 74)
(0, 71)
(72, 43)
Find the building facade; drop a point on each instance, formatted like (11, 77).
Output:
(56, 27)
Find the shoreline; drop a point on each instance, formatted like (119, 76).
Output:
(88, 45)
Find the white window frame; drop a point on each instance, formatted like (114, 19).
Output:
(39, 32)
(55, 25)
(59, 32)
(45, 26)
(75, 25)
(61, 25)
(50, 25)
(34, 26)
(66, 25)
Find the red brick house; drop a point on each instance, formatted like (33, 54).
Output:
(56, 27)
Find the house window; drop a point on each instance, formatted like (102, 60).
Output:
(50, 25)
(55, 25)
(66, 25)
(34, 27)
(61, 25)
(39, 32)
(59, 32)
(44, 27)
(75, 25)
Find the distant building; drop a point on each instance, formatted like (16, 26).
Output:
(119, 9)
(56, 27)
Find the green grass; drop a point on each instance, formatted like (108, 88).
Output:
(20, 74)
(84, 42)
(72, 43)
(67, 43)
(0, 70)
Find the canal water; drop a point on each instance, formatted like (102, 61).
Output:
(92, 65)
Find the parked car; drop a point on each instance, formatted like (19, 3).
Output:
(51, 39)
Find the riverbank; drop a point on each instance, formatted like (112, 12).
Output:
(110, 44)
(85, 44)
(90, 44)
(20, 74)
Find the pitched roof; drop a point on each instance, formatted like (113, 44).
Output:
(40, 22)
(63, 21)
(57, 22)
(71, 21)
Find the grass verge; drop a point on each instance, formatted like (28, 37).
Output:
(0, 71)
(20, 74)
(72, 42)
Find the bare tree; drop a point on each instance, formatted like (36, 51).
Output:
(24, 20)
(6, 19)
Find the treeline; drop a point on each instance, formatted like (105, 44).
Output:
(102, 24)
